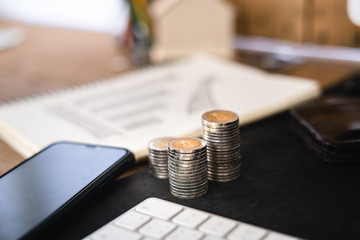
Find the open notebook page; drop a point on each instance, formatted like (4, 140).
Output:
(166, 100)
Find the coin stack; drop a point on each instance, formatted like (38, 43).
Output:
(187, 168)
(158, 157)
(221, 131)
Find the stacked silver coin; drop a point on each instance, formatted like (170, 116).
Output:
(187, 168)
(221, 131)
(158, 157)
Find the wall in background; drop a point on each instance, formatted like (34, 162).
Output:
(317, 21)
(108, 16)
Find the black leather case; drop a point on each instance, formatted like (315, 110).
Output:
(330, 128)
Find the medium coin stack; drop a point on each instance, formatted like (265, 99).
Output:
(187, 168)
(221, 131)
(158, 157)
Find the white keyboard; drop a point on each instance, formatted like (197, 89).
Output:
(159, 219)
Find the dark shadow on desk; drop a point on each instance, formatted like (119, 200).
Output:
(283, 187)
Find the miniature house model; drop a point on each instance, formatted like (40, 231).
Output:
(183, 27)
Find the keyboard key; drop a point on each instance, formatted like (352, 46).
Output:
(217, 226)
(131, 220)
(182, 233)
(247, 232)
(279, 236)
(155, 219)
(190, 218)
(157, 208)
(111, 232)
(157, 228)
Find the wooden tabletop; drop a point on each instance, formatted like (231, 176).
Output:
(53, 58)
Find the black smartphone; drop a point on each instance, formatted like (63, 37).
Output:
(43, 187)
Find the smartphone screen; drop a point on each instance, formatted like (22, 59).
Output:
(52, 180)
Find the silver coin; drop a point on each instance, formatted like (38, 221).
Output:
(160, 144)
(223, 169)
(225, 136)
(188, 196)
(223, 172)
(188, 157)
(187, 193)
(222, 130)
(182, 168)
(156, 152)
(193, 182)
(188, 175)
(222, 157)
(224, 154)
(223, 164)
(187, 164)
(222, 142)
(188, 185)
(158, 155)
(215, 148)
(158, 158)
(188, 170)
(222, 179)
(159, 163)
(219, 138)
(188, 189)
(228, 161)
(187, 161)
(222, 146)
(221, 126)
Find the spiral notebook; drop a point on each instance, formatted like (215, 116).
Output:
(165, 100)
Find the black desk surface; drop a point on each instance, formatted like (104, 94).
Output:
(283, 187)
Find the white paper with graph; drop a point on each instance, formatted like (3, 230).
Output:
(166, 100)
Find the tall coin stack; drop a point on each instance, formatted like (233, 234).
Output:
(158, 157)
(221, 131)
(187, 168)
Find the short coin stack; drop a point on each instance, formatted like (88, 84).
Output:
(187, 168)
(221, 131)
(158, 157)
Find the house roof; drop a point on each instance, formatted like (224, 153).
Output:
(159, 7)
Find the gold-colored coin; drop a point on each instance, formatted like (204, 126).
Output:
(187, 143)
(219, 116)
